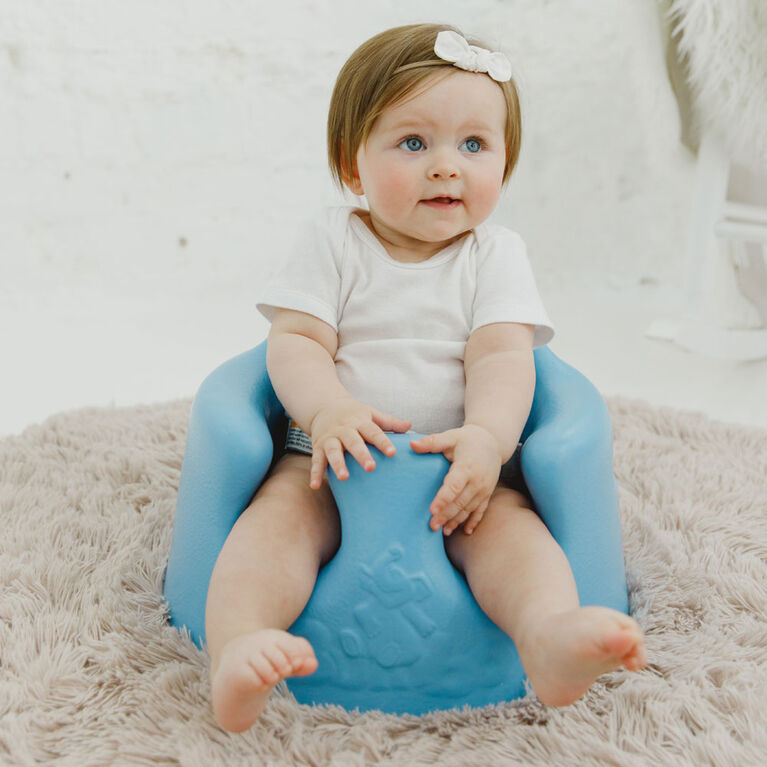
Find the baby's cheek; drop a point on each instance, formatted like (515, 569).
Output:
(487, 192)
(395, 193)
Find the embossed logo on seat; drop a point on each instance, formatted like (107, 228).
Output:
(392, 623)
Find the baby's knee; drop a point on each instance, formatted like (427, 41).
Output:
(288, 480)
(506, 507)
(286, 496)
(505, 497)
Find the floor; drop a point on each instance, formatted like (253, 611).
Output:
(81, 344)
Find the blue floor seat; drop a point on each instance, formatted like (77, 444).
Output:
(392, 622)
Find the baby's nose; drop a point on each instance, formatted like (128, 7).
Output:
(443, 165)
(443, 171)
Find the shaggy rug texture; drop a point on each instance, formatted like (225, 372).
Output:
(91, 674)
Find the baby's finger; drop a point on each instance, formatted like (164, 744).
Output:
(475, 518)
(459, 509)
(375, 436)
(456, 521)
(434, 443)
(335, 455)
(358, 449)
(452, 486)
(317, 471)
(390, 422)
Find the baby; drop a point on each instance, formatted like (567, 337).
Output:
(417, 313)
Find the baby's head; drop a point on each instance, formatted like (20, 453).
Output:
(406, 126)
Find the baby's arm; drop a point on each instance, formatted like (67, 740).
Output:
(500, 381)
(299, 358)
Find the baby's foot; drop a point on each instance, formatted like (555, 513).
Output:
(248, 669)
(568, 651)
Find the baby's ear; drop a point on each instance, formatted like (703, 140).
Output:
(353, 182)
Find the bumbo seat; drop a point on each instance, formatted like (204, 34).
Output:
(392, 622)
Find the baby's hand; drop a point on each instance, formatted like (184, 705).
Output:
(348, 424)
(476, 465)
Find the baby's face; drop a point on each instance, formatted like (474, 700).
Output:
(433, 165)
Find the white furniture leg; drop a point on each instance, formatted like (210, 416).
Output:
(712, 218)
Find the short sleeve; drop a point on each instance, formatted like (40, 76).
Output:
(506, 290)
(309, 279)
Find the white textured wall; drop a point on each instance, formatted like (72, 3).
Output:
(152, 155)
(146, 137)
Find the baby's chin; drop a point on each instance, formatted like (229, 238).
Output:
(442, 232)
(418, 229)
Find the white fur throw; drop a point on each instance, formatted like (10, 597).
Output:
(724, 43)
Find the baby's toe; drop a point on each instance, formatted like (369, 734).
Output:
(304, 663)
(280, 660)
(263, 671)
(300, 654)
(619, 643)
(636, 658)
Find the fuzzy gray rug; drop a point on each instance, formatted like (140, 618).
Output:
(90, 674)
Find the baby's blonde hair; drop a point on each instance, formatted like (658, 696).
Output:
(383, 71)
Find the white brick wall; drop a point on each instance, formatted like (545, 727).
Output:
(127, 128)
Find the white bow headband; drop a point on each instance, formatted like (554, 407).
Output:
(451, 47)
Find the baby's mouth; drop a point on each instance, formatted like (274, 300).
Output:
(442, 202)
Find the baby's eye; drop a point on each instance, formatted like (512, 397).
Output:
(473, 145)
(412, 144)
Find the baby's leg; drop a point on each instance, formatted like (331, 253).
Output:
(262, 580)
(522, 580)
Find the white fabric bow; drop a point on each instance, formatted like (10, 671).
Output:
(451, 47)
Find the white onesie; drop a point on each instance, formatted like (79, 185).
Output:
(402, 327)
